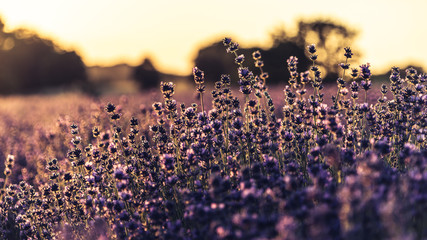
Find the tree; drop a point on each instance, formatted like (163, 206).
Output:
(146, 75)
(29, 63)
(330, 38)
(214, 61)
(275, 60)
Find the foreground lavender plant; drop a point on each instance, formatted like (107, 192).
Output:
(353, 170)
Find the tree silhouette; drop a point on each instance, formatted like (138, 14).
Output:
(275, 60)
(214, 61)
(146, 75)
(330, 38)
(29, 63)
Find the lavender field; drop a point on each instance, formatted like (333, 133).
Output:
(305, 160)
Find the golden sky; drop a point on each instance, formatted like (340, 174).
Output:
(106, 32)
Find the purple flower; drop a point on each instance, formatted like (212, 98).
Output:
(245, 74)
(344, 65)
(365, 72)
(239, 59)
(354, 72)
(256, 55)
(292, 61)
(226, 41)
(366, 85)
(225, 79)
(348, 52)
(305, 77)
(259, 63)
(311, 48)
(109, 108)
(233, 47)
(313, 57)
(199, 75)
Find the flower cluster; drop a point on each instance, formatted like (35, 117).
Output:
(353, 169)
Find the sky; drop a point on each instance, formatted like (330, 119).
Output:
(107, 32)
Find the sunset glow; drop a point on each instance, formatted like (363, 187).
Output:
(170, 32)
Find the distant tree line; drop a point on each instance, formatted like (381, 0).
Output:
(29, 63)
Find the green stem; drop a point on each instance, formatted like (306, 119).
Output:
(339, 88)
(201, 99)
(4, 187)
(247, 129)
